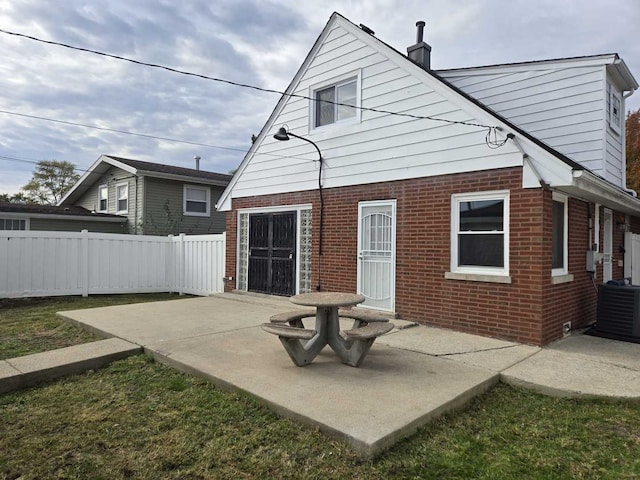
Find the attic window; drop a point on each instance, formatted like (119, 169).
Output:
(332, 102)
(614, 106)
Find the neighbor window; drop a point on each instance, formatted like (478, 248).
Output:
(614, 105)
(332, 102)
(12, 224)
(122, 198)
(480, 233)
(103, 198)
(197, 200)
(559, 235)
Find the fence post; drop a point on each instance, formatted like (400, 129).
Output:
(84, 263)
(169, 266)
(181, 264)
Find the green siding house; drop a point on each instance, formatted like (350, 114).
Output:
(154, 199)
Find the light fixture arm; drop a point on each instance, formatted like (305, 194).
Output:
(283, 135)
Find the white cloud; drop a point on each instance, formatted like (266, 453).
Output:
(249, 41)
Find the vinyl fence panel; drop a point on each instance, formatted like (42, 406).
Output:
(83, 263)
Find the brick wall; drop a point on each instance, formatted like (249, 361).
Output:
(529, 310)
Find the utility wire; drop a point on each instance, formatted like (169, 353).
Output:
(144, 135)
(243, 85)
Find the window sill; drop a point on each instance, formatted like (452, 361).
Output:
(558, 279)
(476, 277)
(192, 214)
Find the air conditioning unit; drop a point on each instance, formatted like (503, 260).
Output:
(618, 313)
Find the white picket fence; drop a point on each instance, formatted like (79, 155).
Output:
(38, 264)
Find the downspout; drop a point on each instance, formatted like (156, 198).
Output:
(624, 149)
(525, 159)
(135, 214)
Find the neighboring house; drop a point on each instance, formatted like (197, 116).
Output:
(155, 199)
(17, 216)
(449, 223)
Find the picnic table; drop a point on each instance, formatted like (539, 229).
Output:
(303, 344)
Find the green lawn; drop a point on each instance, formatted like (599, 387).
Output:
(139, 419)
(30, 325)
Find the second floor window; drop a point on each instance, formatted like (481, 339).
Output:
(103, 198)
(122, 194)
(197, 200)
(332, 103)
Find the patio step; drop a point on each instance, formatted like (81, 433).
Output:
(29, 370)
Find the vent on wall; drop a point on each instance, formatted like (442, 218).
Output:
(618, 313)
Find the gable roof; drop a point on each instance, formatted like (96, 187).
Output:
(553, 159)
(80, 213)
(142, 169)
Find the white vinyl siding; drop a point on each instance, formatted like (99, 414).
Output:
(562, 105)
(197, 200)
(380, 147)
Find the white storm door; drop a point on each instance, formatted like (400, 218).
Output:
(377, 254)
(607, 246)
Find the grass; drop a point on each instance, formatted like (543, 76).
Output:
(138, 419)
(30, 325)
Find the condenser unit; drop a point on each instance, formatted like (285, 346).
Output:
(618, 313)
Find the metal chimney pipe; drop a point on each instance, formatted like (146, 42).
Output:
(420, 31)
(197, 159)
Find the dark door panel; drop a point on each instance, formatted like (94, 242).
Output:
(272, 248)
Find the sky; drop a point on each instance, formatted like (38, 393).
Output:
(261, 43)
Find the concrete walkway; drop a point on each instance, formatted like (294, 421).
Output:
(410, 376)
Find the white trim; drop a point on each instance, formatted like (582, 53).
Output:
(556, 272)
(392, 287)
(456, 199)
(118, 186)
(278, 208)
(207, 191)
(100, 187)
(607, 243)
(335, 82)
(60, 216)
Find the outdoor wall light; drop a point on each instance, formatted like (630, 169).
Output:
(283, 135)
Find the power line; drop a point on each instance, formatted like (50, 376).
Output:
(243, 85)
(144, 135)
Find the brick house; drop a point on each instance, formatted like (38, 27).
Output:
(489, 200)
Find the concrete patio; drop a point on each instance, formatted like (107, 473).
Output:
(411, 375)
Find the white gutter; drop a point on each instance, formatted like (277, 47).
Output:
(56, 216)
(600, 191)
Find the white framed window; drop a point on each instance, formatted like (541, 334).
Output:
(560, 235)
(122, 198)
(103, 198)
(614, 107)
(13, 224)
(480, 233)
(196, 200)
(334, 102)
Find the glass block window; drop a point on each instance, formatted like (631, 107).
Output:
(559, 235)
(305, 251)
(243, 251)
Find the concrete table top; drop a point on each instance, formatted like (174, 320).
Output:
(327, 299)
